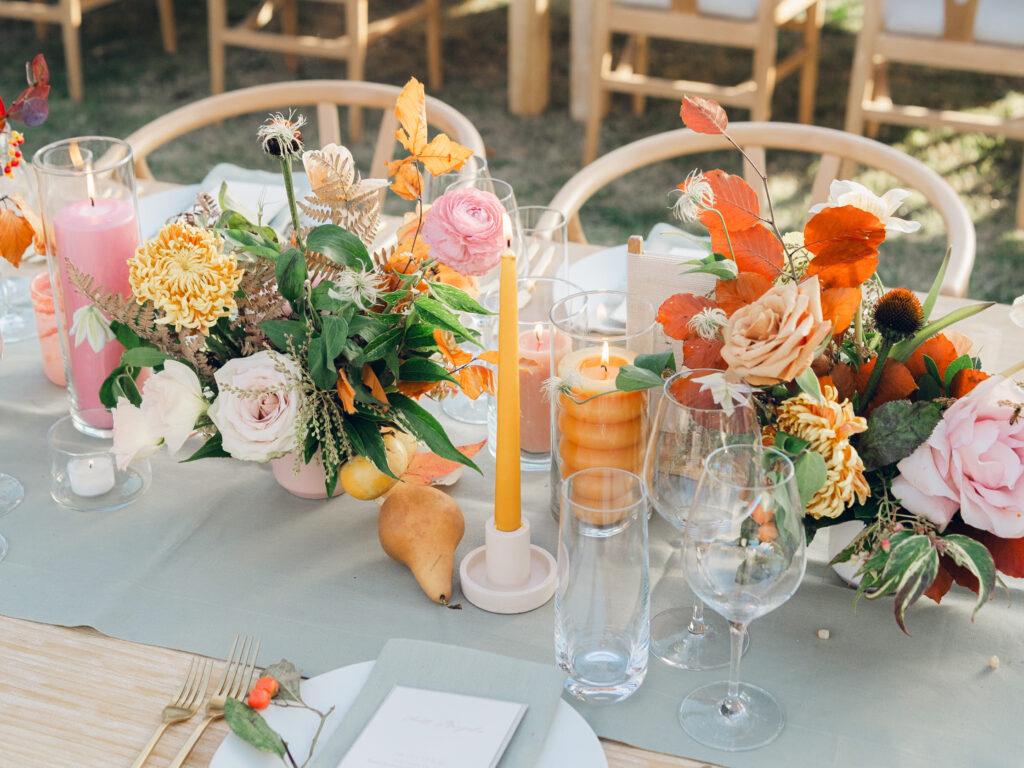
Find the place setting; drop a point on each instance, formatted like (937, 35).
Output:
(457, 488)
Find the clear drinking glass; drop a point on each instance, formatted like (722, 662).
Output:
(11, 491)
(602, 602)
(744, 555)
(435, 186)
(688, 425)
(545, 240)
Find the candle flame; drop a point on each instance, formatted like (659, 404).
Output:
(90, 463)
(75, 153)
(90, 185)
(605, 356)
(538, 331)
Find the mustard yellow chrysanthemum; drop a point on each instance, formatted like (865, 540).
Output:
(827, 426)
(186, 275)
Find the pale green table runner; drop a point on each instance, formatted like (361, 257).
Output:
(216, 548)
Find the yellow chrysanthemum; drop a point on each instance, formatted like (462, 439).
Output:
(186, 275)
(827, 426)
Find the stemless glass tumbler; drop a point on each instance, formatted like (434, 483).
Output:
(602, 601)
(744, 556)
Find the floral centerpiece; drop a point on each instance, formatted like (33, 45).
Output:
(889, 419)
(306, 345)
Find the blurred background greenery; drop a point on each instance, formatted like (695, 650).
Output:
(131, 80)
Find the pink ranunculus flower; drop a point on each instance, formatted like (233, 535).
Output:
(973, 462)
(257, 406)
(467, 229)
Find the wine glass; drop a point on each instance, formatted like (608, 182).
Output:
(11, 491)
(744, 555)
(689, 425)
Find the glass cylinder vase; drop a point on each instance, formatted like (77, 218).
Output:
(594, 426)
(90, 216)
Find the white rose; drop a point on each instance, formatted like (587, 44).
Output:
(257, 406)
(173, 400)
(134, 434)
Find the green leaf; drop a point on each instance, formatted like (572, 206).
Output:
(144, 357)
(789, 444)
(422, 369)
(212, 448)
(125, 336)
(288, 678)
(320, 298)
(254, 244)
(335, 334)
(714, 264)
(933, 292)
(974, 556)
(633, 379)
(962, 362)
(425, 427)
(440, 316)
(902, 351)
(457, 299)
(340, 246)
(808, 382)
(811, 472)
(895, 430)
(932, 368)
(321, 366)
(420, 336)
(290, 271)
(909, 570)
(657, 363)
(367, 328)
(249, 726)
(233, 206)
(381, 345)
(372, 444)
(928, 388)
(286, 335)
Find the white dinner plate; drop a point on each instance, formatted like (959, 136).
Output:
(570, 740)
(156, 209)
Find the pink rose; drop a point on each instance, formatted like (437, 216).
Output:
(973, 461)
(467, 230)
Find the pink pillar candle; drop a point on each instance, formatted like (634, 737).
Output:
(98, 236)
(535, 366)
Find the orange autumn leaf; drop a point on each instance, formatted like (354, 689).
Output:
(756, 249)
(442, 155)
(414, 389)
(735, 200)
(488, 356)
(838, 306)
(896, 382)
(408, 183)
(16, 234)
(346, 393)
(744, 289)
(964, 381)
(676, 311)
(425, 468)
(452, 353)
(844, 242)
(940, 349)
(475, 380)
(703, 115)
(370, 380)
(439, 155)
(702, 353)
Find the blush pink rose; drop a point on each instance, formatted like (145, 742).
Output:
(774, 339)
(973, 462)
(467, 230)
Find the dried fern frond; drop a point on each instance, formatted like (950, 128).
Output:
(204, 212)
(339, 196)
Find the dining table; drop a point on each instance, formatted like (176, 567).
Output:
(100, 613)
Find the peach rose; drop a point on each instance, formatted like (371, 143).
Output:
(467, 230)
(773, 339)
(972, 462)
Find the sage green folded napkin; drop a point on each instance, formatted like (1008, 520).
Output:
(449, 668)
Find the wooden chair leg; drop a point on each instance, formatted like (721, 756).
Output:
(70, 29)
(290, 26)
(1020, 200)
(40, 25)
(168, 30)
(641, 66)
(879, 92)
(434, 58)
(357, 24)
(809, 71)
(764, 74)
(217, 19)
(600, 62)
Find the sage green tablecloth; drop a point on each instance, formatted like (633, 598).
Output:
(216, 548)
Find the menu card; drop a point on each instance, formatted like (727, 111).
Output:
(417, 728)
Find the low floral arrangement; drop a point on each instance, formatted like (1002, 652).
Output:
(889, 419)
(309, 344)
(20, 225)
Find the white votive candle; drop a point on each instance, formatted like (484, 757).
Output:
(91, 475)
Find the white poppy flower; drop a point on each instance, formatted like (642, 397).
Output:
(851, 193)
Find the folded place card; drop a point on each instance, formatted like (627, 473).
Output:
(417, 728)
(464, 671)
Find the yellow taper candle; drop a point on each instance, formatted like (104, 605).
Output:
(507, 503)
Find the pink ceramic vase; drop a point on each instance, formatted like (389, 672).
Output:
(309, 483)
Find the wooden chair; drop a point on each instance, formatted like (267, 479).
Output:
(749, 24)
(966, 35)
(351, 47)
(68, 14)
(327, 95)
(834, 147)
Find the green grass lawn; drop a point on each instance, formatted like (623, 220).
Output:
(131, 80)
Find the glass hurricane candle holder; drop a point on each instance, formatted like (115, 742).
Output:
(83, 472)
(597, 333)
(90, 216)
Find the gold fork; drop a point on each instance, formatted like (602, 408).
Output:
(234, 682)
(183, 704)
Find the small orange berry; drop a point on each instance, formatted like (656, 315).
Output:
(259, 698)
(768, 532)
(268, 684)
(762, 515)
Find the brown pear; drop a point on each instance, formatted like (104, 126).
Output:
(420, 526)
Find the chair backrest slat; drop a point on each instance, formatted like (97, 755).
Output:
(959, 19)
